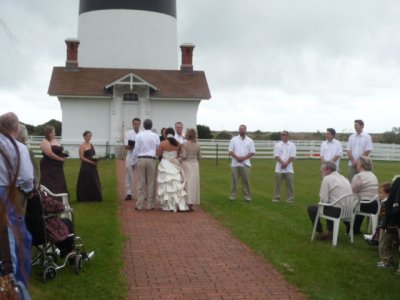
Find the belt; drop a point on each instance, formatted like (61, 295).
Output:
(147, 156)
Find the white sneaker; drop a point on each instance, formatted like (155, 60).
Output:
(383, 265)
(276, 200)
(367, 236)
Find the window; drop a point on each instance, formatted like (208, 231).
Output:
(131, 97)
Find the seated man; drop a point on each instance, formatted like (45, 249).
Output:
(333, 186)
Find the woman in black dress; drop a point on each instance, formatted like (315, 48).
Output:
(88, 187)
(52, 164)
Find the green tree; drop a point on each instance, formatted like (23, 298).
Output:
(258, 135)
(224, 135)
(56, 124)
(275, 136)
(29, 127)
(392, 137)
(204, 132)
(318, 135)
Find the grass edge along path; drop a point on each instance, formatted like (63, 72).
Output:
(278, 232)
(281, 232)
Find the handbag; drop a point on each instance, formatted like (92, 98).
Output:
(8, 288)
(50, 205)
(56, 229)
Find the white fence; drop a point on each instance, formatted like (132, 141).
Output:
(305, 150)
(219, 149)
(107, 150)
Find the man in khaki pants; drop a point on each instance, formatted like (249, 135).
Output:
(146, 146)
(241, 149)
(284, 153)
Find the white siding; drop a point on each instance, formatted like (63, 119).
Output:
(164, 113)
(127, 39)
(79, 115)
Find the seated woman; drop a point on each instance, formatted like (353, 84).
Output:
(170, 180)
(88, 187)
(364, 184)
(52, 164)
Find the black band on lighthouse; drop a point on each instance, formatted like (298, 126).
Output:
(167, 7)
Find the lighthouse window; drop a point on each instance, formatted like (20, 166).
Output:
(131, 97)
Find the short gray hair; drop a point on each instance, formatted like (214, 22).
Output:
(366, 163)
(9, 121)
(22, 134)
(330, 165)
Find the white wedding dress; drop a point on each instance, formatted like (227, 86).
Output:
(171, 183)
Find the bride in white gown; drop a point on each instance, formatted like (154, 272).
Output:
(170, 178)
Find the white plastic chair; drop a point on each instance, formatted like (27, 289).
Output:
(373, 218)
(65, 201)
(348, 204)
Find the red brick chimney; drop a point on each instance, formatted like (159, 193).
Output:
(187, 58)
(71, 63)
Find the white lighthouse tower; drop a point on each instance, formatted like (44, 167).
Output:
(140, 34)
(124, 64)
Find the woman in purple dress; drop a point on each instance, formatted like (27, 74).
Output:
(88, 187)
(52, 164)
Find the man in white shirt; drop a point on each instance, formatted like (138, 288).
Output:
(15, 161)
(284, 153)
(10, 123)
(333, 186)
(146, 146)
(179, 136)
(331, 149)
(360, 144)
(129, 142)
(241, 149)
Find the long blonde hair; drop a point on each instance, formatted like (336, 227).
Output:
(191, 135)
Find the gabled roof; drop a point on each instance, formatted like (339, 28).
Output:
(92, 82)
(131, 80)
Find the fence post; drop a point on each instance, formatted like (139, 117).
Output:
(216, 154)
(107, 150)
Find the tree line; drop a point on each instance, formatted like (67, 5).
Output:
(38, 130)
(204, 132)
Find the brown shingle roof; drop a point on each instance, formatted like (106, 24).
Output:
(91, 82)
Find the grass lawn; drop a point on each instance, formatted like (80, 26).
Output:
(279, 232)
(98, 224)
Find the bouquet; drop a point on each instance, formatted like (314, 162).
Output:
(64, 153)
(96, 158)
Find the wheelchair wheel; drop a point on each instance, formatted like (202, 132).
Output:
(49, 273)
(49, 260)
(78, 263)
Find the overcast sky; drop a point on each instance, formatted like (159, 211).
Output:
(299, 65)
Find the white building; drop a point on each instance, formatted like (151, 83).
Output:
(126, 67)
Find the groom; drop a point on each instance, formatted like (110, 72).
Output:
(145, 149)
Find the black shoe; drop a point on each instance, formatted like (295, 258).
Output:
(372, 242)
(128, 197)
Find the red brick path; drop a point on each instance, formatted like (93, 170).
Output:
(192, 256)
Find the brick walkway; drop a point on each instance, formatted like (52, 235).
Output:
(191, 256)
